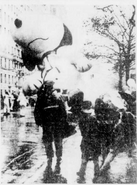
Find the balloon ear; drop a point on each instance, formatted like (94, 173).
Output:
(67, 38)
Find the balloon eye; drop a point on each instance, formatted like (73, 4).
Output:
(18, 23)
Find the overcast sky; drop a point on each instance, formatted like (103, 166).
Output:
(76, 14)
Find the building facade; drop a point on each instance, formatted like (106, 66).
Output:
(10, 52)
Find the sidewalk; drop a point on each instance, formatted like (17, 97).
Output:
(20, 111)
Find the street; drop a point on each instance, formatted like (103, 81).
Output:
(23, 158)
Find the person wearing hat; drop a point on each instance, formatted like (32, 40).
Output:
(50, 114)
(90, 144)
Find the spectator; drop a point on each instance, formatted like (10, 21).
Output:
(22, 102)
(2, 101)
(22, 99)
(132, 87)
(6, 103)
(11, 101)
(15, 103)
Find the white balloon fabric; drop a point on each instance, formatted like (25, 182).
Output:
(32, 83)
(75, 57)
(40, 32)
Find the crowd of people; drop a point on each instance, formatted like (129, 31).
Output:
(13, 101)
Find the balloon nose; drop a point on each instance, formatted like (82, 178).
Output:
(18, 23)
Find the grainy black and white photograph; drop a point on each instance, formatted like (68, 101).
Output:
(68, 92)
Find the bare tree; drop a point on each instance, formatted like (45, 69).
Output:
(117, 25)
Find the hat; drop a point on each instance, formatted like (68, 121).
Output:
(87, 107)
(75, 98)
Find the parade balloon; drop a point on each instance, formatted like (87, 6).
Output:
(40, 33)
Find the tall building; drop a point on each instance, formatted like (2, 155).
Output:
(10, 52)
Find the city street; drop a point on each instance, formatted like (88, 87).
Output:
(23, 158)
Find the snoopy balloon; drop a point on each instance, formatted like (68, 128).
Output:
(38, 35)
(47, 43)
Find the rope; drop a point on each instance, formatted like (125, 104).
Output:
(3, 171)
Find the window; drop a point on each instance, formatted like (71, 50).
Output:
(6, 63)
(9, 79)
(1, 78)
(5, 78)
(9, 64)
(1, 93)
(3, 62)
(14, 66)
